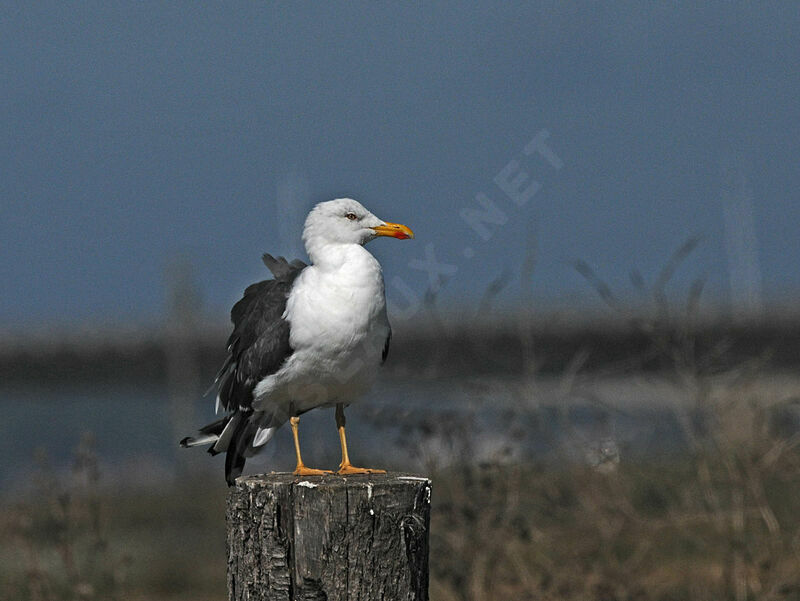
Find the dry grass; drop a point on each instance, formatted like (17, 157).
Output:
(717, 522)
(655, 531)
(74, 539)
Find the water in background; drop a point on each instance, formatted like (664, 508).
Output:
(401, 425)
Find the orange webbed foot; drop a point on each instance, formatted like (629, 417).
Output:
(302, 470)
(345, 469)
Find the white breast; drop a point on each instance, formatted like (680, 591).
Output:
(338, 328)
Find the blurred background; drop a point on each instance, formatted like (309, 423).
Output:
(595, 341)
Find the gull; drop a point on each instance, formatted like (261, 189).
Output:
(313, 336)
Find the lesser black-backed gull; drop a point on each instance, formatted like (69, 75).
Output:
(314, 336)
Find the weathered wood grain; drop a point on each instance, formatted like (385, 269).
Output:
(331, 538)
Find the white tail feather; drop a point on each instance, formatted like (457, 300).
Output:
(263, 436)
(200, 440)
(225, 438)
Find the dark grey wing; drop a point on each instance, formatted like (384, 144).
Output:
(259, 343)
(386, 346)
(257, 347)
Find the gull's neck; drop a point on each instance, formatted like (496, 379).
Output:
(329, 256)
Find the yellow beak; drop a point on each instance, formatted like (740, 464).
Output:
(395, 230)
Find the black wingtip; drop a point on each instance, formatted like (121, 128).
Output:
(234, 466)
(234, 472)
(185, 442)
(234, 457)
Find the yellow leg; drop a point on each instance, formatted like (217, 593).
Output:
(345, 468)
(302, 470)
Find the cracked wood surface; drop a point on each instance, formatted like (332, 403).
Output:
(331, 538)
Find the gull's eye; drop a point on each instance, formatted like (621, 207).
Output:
(351, 216)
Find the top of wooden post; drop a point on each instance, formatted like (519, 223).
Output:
(334, 480)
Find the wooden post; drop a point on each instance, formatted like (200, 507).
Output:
(331, 538)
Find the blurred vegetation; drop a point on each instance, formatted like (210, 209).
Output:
(72, 538)
(718, 523)
(716, 526)
(719, 520)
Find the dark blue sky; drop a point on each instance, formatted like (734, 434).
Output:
(134, 133)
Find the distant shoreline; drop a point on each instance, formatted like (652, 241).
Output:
(447, 348)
